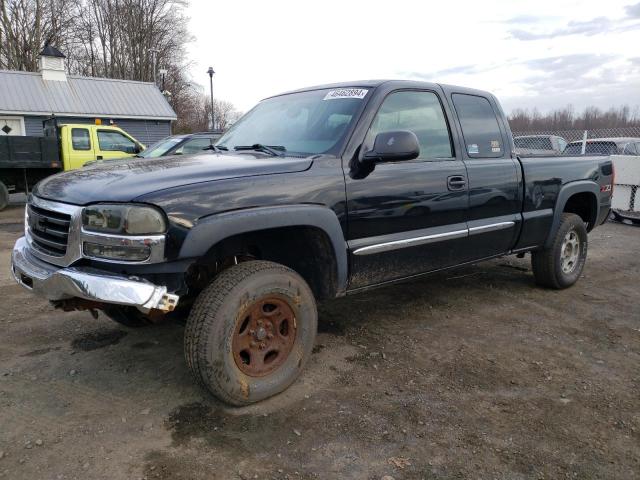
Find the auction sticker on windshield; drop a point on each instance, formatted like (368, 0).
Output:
(346, 93)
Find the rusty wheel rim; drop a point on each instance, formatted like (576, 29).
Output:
(264, 336)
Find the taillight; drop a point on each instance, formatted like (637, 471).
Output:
(613, 177)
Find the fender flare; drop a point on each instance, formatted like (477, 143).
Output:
(215, 228)
(565, 192)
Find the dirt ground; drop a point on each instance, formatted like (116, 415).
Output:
(475, 373)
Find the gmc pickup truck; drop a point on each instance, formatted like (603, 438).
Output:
(313, 194)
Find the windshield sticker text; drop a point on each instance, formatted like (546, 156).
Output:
(346, 93)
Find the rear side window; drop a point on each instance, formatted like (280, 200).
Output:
(480, 129)
(80, 139)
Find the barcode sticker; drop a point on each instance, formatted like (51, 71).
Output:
(346, 93)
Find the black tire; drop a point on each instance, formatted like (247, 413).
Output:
(552, 267)
(128, 316)
(4, 196)
(219, 316)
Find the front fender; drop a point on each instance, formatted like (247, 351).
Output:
(215, 228)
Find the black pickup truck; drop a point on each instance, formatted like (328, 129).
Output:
(313, 194)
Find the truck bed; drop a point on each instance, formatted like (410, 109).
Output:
(29, 152)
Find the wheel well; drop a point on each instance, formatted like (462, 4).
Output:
(307, 250)
(585, 205)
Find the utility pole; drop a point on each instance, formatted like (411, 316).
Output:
(211, 72)
(154, 52)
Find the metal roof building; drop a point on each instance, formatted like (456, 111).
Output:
(27, 98)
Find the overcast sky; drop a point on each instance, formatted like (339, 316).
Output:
(541, 54)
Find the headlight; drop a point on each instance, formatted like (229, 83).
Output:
(123, 219)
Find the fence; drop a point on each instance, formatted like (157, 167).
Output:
(622, 144)
(602, 141)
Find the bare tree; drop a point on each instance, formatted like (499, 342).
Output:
(566, 119)
(27, 25)
(114, 39)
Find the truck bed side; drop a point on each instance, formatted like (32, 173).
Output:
(554, 185)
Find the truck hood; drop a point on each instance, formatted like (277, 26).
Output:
(127, 180)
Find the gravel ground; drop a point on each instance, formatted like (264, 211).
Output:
(474, 373)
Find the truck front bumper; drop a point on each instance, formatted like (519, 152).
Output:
(55, 283)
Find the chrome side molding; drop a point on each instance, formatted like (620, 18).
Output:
(435, 237)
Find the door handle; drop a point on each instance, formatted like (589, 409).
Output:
(456, 182)
(98, 157)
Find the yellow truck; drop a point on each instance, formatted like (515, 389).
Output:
(24, 161)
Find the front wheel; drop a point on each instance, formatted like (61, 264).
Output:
(560, 265)
(251, 331)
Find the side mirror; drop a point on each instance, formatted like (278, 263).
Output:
(393, 147)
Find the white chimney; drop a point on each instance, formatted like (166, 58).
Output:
(51, 64)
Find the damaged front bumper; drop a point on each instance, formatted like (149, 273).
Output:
(93, 285)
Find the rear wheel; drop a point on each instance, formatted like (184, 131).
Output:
(4, 196)
(560, 265)
(251, 331)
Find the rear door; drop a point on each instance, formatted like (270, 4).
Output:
(495, 190)
(78, 146)
(409, 217)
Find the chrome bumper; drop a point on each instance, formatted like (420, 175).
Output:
(55, 283)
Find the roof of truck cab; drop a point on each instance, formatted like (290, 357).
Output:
(388, 83)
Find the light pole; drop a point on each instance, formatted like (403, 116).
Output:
(211, 72)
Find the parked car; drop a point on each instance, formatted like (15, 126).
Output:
(305, 205)
(539, 144)
(186, 144)
(606, 146)
(25, 160)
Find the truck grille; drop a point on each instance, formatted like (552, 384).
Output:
(49, 230)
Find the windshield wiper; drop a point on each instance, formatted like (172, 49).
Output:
(275, 150)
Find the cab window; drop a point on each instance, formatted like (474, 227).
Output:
(115, 141)
(480, 129)
(420, 113)
(80, 139)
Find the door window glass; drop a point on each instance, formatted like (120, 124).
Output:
(80, 139)
(420, 113)
(115, 141)
(480, 130)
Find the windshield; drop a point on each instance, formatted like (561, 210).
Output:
(160, 148)
(304, 123)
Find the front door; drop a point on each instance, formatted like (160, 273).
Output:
(407, 218)
(114, 144)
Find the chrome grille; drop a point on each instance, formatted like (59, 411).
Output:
(49, 230)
